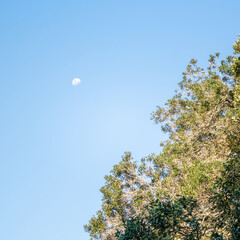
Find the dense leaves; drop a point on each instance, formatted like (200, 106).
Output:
(226, 200)
(165, 220)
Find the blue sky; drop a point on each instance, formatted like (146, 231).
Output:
(58, 141)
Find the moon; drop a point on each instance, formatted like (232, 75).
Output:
(76, 81)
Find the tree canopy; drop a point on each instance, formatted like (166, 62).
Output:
(190, 190)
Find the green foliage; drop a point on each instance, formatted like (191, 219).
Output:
(128, 188)
(96, 226)
(195, 176)
(165, 220)
(226, 199)
(136, 229)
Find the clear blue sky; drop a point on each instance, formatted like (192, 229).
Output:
(58, 141)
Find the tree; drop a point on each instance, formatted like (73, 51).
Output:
(202, 121)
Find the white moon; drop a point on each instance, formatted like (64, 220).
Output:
(76, 81)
